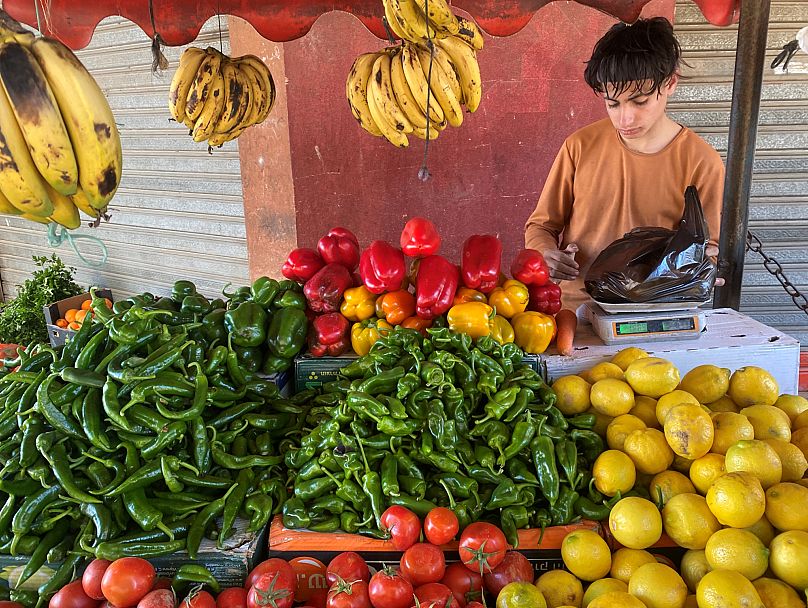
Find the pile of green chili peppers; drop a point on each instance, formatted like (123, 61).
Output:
(441, 421)
(149, 431)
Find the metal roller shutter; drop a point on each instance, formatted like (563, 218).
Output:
(178, 212)
(779, 198)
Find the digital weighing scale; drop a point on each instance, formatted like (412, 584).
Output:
(637, 323)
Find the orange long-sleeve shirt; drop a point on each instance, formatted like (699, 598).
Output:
(598, 190)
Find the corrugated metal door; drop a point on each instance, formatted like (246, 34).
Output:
(779, 198)
(178, 212)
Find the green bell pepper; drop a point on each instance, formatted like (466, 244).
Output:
(182, 289)
(287, 332)
(247, 324)
(264, 290)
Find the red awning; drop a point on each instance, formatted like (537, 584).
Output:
(178, 21)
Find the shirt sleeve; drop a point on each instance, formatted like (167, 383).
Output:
(709, 180)
(544, 226)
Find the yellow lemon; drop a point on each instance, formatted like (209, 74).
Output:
(635, 522)
(789, 554)
(614, 599)
(707, 383)
(586, 555)
(776, 594)
(689, 431)
(602, 421)
(801, 421)
(787, 506)
(800, 439)
(730, 427)
(727, 589)
(769, 422)
(649, 451)
(645, 409)
(755, 457)
(667, 484)
(625, 561)
(723, 404)
(620, 428)
(792, 459)
(612, 397)
(737, 499)
(560, 588)
(753, 386)
(572, 394)
(693, 568)
(705, 470)
(792, 405)
(627, 356)
(688, 521)
(763, 529)
(601, 587)
(613, 472)
(671, 400)
(601, 371)
(520, 594)
(652, 376)
(738, 550)
(658, 586)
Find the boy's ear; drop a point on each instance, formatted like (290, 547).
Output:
(670, 86)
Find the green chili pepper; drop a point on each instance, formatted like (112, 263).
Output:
(590, 510)
(116, 550)
(40, 553)
(233, 504)
(366, 406)
(589, 443)
(60, 578)
(583, 421)
(512, 519)
(523, 433)
(314, 488)
(406, 385)
(295, 515)
(56, 455)
(203, 520)
(389, 476)
(567, 457)
(194, 574)
(420, 507)
(563, 512)
(53, 414)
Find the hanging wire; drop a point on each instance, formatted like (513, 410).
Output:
(57, 235)
(423, 172)
(159, 61)
(38, 23)
(219, 17)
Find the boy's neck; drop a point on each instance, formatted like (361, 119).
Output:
(662, 134)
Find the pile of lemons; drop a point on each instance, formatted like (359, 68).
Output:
(723, 457)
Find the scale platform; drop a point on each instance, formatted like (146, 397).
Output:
(642, 323)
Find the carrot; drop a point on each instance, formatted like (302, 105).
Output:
(566, 323)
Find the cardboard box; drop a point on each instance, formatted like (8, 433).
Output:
(54, 312)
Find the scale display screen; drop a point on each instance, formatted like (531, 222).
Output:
(654, 326)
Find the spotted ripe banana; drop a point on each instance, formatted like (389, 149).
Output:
(203, 81)
(356, 90)
(268, 87)
(6, 208)
(382, 122)
(39, 118)
(440, 16)
(81, 201)
(259, 95)
(88, 119)
(212, 110)
(403, 94)
(465, 63)
(190, 60)
(393, 23)
(419, 88)
(470, 33)
(412, 20)
(65, 213)
(442, 89)
(234, 94)
(381, 88)
(447, 65)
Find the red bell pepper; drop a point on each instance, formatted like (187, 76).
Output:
(340, 246)
(329, 335)
(324, 290)
(382, 267)
(435, 286)
(302, 264)
(529, 267)
(419, 238)
(545, 298)
(479, 266)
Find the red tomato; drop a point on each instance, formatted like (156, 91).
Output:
(159, 598)
(515, 568)
(474, 605)
(232, 597)
(348, 594)
(9, 604)
(202, 599)
(441, 525)
(388, 589)
(127, 580)
(318, 598)
(482, 547)
(423, 563)
(161, 582)
(273, 589)
(437, 594)
(91, 579)
(348, 566)
(72, 596)
(466, 585)
(403, 525)
(275, 566)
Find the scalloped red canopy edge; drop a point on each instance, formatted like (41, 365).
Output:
(178, 21)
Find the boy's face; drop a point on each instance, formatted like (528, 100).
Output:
(638, 110)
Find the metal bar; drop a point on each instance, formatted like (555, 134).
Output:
(743, 123)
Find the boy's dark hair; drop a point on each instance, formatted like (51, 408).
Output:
(646, 51)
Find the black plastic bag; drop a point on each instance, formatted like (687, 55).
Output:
(657, 264)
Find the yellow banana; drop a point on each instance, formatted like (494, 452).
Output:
(356, 90)
(468, 70)
(440, 16)
(388, 131)
(88, 119)
(268, 84)
(418, 84)
(381, 88)
(190, 60)
(36, 218)
(442, 90)
(470, 33)
(38, 115)
(81, 201)
(449, 70)
(212, 110)
(404, 96)
(421, 133)
(65, 213)
(412, 20)
(218, 139)
(393, 23)
(6, 208)
(234, 94)
(20, 181)
(205, 76)
(259, 94)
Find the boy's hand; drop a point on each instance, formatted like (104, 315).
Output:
(562, 264)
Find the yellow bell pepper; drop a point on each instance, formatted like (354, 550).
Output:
(473, 318)
(358, 304)
(365, 333)
(533, 331)
(510, 299)
(465, 294)
(502, 331)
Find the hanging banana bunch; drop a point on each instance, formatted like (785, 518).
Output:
(217, 97)
(60, 151)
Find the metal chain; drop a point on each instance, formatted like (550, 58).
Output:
(753, 243)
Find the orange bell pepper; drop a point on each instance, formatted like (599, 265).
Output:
(533, 331)
(417, 323)
(502, 331)
(358, 304)
(473, 318)
(365, 334)
(464, 294)
(395, 306)
(510, 299)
